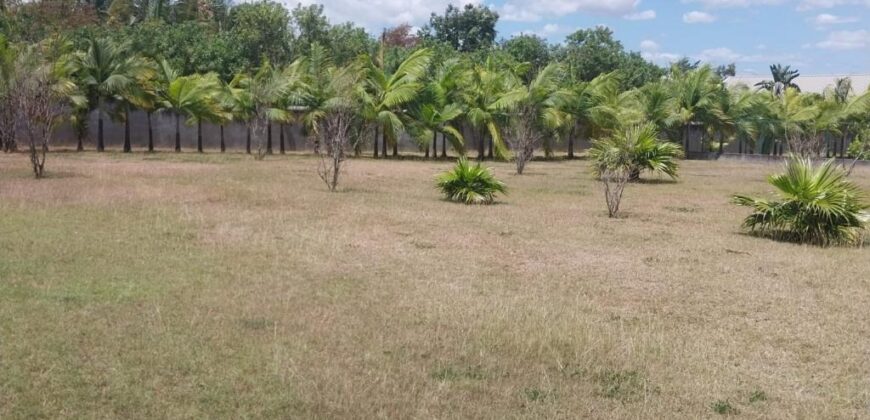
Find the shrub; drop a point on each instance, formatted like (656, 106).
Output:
(470, 184)
(818, 205)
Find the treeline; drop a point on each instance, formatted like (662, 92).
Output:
(260, 64)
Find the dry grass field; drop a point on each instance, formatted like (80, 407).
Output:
(210, 286)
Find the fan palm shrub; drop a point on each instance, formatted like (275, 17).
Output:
(470, 184)
(643, 149)
(817, 205)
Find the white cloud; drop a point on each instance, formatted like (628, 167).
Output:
(718, 55)
(826, 19)
(649, 45)
(698, 17)
(846, 40)
(532, 10)
(723, 55)
(649, 50)
(805, 5)
(734, 3)
(644, 15)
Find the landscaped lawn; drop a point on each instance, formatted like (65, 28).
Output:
(209, 286)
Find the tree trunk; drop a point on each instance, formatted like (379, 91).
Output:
(177, 133)
(571, 141)
(721, 143)
(377, 129)
(223, 143)
(199, 136)
(481, 139)
(396, 148)
(248, 141)
(80, 146)
(491, 145)
(435, 145)
(269, 138)
(443, 145)
(281, 138)
(384, 144)
(150, 134)
(843, 144)
(127, 146)
(100, 145)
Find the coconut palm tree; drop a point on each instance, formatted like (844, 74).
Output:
(589, 105)
(783, 78)
(698, 98)
(436, 112)
(481, 87)
(8, 120)
(195, 97)
(387, 95)
(105, 71)
(258, 100)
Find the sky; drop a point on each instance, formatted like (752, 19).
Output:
(815, 36)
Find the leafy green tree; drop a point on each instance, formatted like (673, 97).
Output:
(467, 29)
(817, 205)
(530, 49)
(259, 99)
(591, 52)
(310, 27)
(347, 42)
(261, 29)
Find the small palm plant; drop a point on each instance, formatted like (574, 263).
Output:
(640, 144)
(470, 184)
(818, 205)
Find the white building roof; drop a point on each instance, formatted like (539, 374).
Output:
(814, 83)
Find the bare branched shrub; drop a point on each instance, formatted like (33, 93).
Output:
(334, 138)
(805, 144)
(524, 136)
(614, 180)
(40, 104)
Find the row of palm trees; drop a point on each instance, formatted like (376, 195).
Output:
(489, 101)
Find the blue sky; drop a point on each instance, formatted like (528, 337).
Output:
(816, 36)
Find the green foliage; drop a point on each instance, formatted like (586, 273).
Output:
(261, 30)
(470, 184)
(724, 408)
(817, 205)
(470, 28)
(530, 49)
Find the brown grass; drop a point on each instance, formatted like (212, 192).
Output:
(216, 286)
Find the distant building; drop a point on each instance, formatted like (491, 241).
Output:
(810, 84)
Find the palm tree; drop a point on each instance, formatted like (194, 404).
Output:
(106, 71)
(534, 111)
(387, 95)
(482, 85)
(192, 96)
(698, 93)
(436, 112)
(8, 120)
(590, 106)
(783, 78)
(791, 113)
(258, 100)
